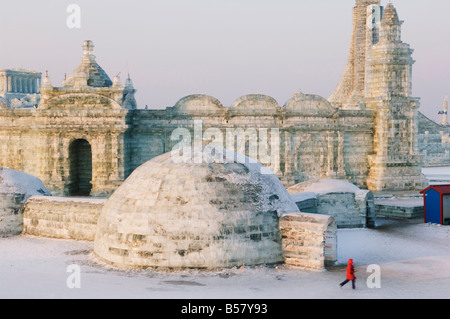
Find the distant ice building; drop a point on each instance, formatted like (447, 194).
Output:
(20, 87)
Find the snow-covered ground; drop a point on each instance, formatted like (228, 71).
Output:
(414, 260)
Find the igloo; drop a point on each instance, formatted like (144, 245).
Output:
(15, 189)
(219, 213)
(350, 206)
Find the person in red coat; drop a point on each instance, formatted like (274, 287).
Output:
(350, 275)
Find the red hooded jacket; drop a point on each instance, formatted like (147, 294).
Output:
(350, 270)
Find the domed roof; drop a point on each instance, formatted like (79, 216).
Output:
(308, 104)
(255, 103)
(198, 104)
(88, 72)
(222, 212)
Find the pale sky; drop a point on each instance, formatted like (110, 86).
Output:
(223, 48)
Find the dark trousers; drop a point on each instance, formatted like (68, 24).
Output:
(346, 282)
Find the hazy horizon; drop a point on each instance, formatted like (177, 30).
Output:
(222, 48)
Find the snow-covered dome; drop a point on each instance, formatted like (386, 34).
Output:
(197, 104)
(255, 103)
(15, 189)
(222, 212)
(308, 104)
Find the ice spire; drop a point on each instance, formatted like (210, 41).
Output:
(445, 112)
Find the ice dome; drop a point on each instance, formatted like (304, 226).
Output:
(15, 189)
(219, 213)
